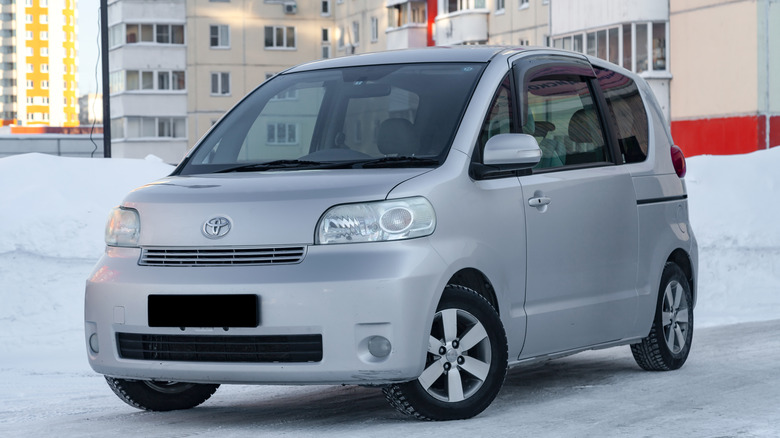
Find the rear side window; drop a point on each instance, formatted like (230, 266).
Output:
(562, 115)
(628, 114)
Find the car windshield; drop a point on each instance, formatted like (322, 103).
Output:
(402, 115)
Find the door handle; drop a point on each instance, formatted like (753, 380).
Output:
(539, 201)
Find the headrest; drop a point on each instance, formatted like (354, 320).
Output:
(583, 124)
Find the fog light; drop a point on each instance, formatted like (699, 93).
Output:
(93, 343)
(379, 346)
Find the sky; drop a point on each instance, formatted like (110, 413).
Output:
(88, 34)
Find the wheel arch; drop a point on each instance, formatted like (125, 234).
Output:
(682, 259)
(474, 279)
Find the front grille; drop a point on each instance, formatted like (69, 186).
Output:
(198, 348)
(221, 256)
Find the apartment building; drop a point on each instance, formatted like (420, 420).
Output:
(148, 82)
(631, 33)
(39, 75)
(178, 65)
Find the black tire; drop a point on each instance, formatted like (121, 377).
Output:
(465, 364)
(152, 395)
(669, 342)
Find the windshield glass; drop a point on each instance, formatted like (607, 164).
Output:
(377, 116)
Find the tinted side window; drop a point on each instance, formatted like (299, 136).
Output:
(628, 114)
(500, 119)
(563, 117)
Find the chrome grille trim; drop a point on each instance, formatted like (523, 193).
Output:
(180, 256)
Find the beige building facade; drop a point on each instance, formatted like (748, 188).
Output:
(726, 87)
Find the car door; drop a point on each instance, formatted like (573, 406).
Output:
(580, 214)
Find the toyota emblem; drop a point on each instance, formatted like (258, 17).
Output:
(216, 227)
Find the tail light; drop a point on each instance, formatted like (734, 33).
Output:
(678, 160)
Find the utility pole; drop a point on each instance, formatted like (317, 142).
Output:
(106, 90)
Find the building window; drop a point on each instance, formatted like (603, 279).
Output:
(219, 36)
(30, 68)
(28, 18)
(524, 4)
(45, 68)
(44, 51)
(30, 84)
(220, 84)
(325, 7)
(115, 35)
(178, 81)
(286, 95)
(280, 37)
(163, 80)
(45, 84)
(149, 127)
(647, 51)
(325, 35)
(500, 5)
(147, 33)
(326, 52)
(139, 80)
(374, 29)
(355, 33)
(44, 19)
(282, 133)
(28, 34)
(341, 37)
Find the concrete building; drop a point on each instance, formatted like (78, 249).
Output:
(148, 82)
(178, 65)
(233, 46)
(39, 49)
(725, 57)
(91, 109)
(631, 33)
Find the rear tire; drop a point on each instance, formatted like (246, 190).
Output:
(152, 395)
(669, 342)
(465, 365)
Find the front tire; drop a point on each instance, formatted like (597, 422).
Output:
(152, 395)
(669, 342)
(465, 365)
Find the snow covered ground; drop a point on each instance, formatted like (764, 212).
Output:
(53, 211)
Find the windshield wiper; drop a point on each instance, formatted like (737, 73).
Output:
(283, 164)
(402, 161)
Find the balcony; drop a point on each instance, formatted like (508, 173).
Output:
(467, 26)
(407, 36)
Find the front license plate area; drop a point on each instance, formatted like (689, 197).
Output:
(204, 311)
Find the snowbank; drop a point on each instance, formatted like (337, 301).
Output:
(57, 207)
(735, 199)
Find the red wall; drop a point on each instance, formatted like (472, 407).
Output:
(726, 135)
(433, 5)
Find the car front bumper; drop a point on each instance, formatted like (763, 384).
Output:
(345, 293)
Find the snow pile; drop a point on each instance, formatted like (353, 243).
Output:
(57, 207)
(735, 199)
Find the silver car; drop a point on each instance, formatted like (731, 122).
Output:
(417, 221)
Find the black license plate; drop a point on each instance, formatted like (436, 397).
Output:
(204, 311)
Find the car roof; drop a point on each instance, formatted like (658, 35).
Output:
(427, 54)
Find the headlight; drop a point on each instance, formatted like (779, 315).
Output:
(123, 227)
(377, 221)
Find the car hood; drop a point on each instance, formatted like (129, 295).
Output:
(265, 208)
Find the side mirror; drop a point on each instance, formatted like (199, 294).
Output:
(521, 151)
(506, 155)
